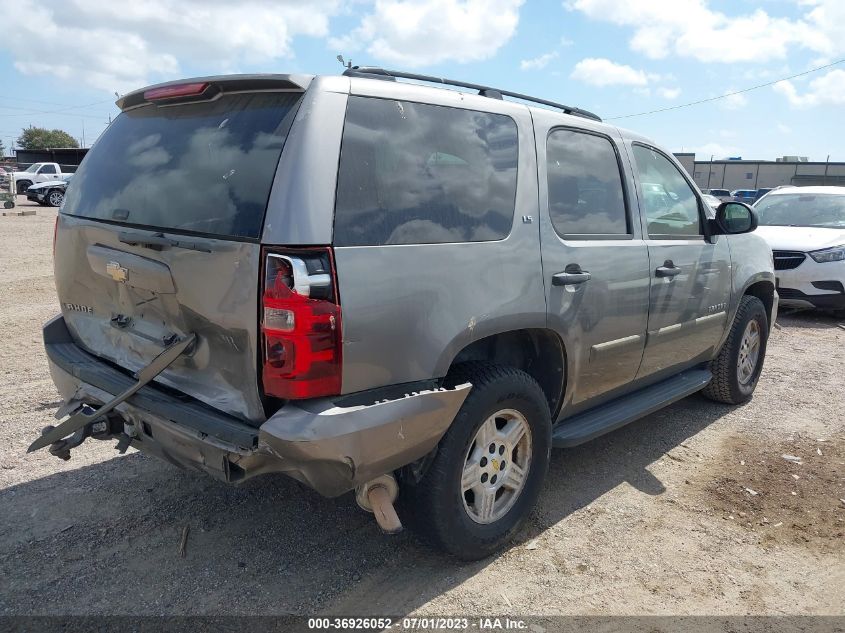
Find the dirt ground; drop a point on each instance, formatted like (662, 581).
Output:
(693, 510)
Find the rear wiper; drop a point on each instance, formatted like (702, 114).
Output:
(158, 241)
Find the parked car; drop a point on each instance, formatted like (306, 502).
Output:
(371, 285)
(722, 194)
(50, 193)
(36, 173)
(805, 228)
(762, 192)
(744, 195)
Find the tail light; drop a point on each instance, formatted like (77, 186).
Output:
(301, 325)
(176, 90)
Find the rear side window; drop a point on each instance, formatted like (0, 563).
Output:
(412, 173)
(585, 185)
(200, 167)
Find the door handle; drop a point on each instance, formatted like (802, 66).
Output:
(668, 269)
(565, 279)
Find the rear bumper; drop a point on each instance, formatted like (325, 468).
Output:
(330, 447)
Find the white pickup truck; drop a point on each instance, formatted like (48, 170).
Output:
(37, 172)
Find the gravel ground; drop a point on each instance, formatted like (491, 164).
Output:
(689, 511)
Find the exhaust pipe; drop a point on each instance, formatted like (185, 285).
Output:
(377, 496)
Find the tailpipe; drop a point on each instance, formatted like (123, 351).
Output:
(377, 496)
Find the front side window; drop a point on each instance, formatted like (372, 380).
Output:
(413, 173)
(48, 169)
(585, 185)
(669, 203)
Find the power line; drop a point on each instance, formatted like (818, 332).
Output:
(728, 94)
(65, 111)
(54, 103)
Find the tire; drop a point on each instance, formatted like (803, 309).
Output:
(440, 510)
(22, 186)
(54, 198)
(727, 385)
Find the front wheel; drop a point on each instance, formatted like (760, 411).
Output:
(737, 368)
(55, 198)
(490, 465)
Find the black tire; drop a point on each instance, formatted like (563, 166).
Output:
(22, 186)
(726, 386)
(435, 503)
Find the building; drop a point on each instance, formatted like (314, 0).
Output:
(68, 158)
(759, 174)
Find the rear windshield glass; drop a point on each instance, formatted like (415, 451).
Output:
(201, 167)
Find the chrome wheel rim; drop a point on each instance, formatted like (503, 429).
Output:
(496, 466)
(56, 199)
(749, 353)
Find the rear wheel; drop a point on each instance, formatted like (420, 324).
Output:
(737, 368)
(489, 466)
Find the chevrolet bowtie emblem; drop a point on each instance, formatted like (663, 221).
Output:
(116, 271)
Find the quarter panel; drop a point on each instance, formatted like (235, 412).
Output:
(300, 211)
(409, 309)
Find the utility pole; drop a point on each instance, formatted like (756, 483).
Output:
(709, 171)
(83, 133)
(826, 165)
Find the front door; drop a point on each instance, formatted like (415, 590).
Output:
(595, 262)
(690, 274)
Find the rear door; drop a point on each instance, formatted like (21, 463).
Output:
(159, 236)
(595, 262)
(690, 273)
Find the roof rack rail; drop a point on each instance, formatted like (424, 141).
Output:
(374, 72)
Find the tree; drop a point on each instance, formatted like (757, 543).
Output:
(2, 150)
(42, 138)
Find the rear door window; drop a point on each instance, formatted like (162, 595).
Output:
(586, 196)
(413, 173)
(196, 167)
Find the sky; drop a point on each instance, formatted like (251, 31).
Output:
(62, 61)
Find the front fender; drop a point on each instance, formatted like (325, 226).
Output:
(751, 263)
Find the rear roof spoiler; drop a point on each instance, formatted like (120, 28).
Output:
(226, 83)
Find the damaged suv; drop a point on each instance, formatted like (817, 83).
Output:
(383, 286)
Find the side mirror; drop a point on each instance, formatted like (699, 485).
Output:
(733, 218)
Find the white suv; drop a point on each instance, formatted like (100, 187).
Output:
(805, 226)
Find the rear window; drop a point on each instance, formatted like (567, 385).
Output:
(200, 167)
(585, 185)
(412, 173)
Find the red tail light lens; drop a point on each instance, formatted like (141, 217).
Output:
(179, 90)
(301, 325)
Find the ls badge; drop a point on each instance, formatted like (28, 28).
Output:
(116, 272)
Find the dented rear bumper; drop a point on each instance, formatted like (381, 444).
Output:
(330, 447)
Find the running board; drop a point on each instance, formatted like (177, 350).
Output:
(586, 426)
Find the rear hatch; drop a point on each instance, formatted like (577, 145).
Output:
(159, 234)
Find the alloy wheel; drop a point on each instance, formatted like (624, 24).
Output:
(496, 466)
